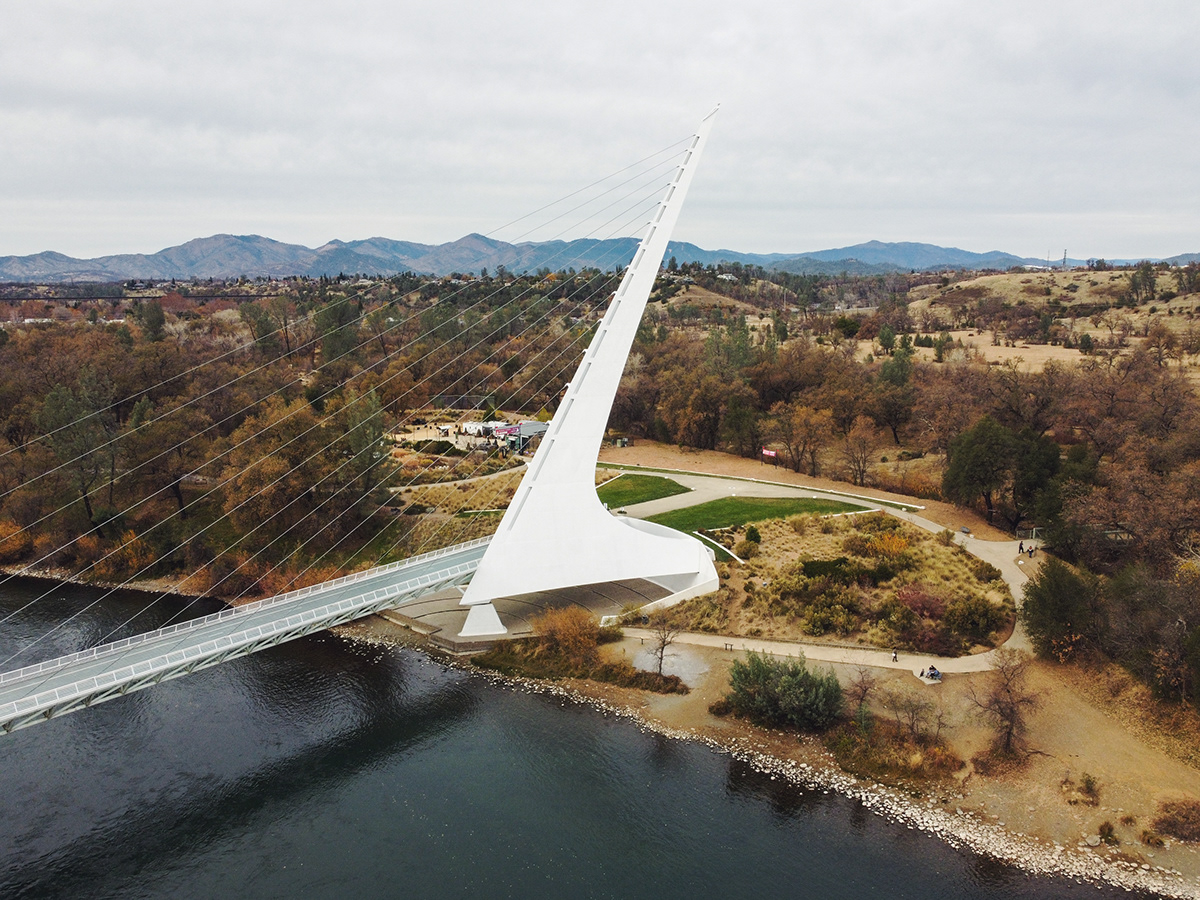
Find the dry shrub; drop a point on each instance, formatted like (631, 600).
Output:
(89, 548)
(746, 549)
(882, 749)
(571, 632)
(1179, 819)
(233, 576)
(287, 577)
(910, 484)
(14, 542)
(132, 558)
(46, 547)
(889, 546)
(921, 601)
(709, 612)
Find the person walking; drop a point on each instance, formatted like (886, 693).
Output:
(894, 657)
(1021, 548)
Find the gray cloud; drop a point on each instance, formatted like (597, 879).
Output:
(1022, 126)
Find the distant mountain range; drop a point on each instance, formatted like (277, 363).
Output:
(232, 256)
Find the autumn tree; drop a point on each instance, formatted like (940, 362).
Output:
(858, 448)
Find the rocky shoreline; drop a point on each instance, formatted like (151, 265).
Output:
(145, 586)
(958, 828)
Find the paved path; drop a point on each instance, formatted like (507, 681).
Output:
(1001, 554)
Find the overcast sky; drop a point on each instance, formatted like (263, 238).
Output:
(1029, 127)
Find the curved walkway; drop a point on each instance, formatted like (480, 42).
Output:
(1001, 554)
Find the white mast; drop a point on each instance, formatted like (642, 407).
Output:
(555, 532)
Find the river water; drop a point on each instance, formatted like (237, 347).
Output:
(331, 769)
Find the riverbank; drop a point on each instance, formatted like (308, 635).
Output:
(968, 812)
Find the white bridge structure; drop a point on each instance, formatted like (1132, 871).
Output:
(554, 535)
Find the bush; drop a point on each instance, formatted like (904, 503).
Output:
(857, 544)
(610, 634)
(746, 549)
(974, 616)
(984, 571)
(720, 707)
(825, 568)
(1089, 787)
(14, 543)
(1179, 819)
(832, 610)
(752, 535)
(918, 598)
(571, 632)
(783, 692)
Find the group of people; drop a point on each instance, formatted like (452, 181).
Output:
(931, 673)
(1021, 551)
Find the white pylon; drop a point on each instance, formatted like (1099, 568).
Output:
(556, 533)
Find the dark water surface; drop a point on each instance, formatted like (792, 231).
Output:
(323, 769)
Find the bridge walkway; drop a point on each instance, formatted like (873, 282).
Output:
(58, 686)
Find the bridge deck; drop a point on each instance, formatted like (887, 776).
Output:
(59, 686)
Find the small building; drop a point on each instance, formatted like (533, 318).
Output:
(524, 434)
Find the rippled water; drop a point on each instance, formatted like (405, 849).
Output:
(323, 769)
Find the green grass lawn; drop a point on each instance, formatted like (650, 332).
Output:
(626, 490)
(729, 512)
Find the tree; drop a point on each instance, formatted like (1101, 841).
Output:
(1006, 701)
(862, 685)
(859, 447)
(892, 404)
(153, 321)
(978, 464)
(337, 323)
(1143, 283)
(739, 424)
(262, 327)
(664, 636)
(804, 433)
(74, 427)
(887, 339)
(911, 711)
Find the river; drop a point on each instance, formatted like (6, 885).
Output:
(332, 769)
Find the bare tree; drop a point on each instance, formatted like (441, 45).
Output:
(862, 685)
(665, 634)
(1007, 700)
(911, 711)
